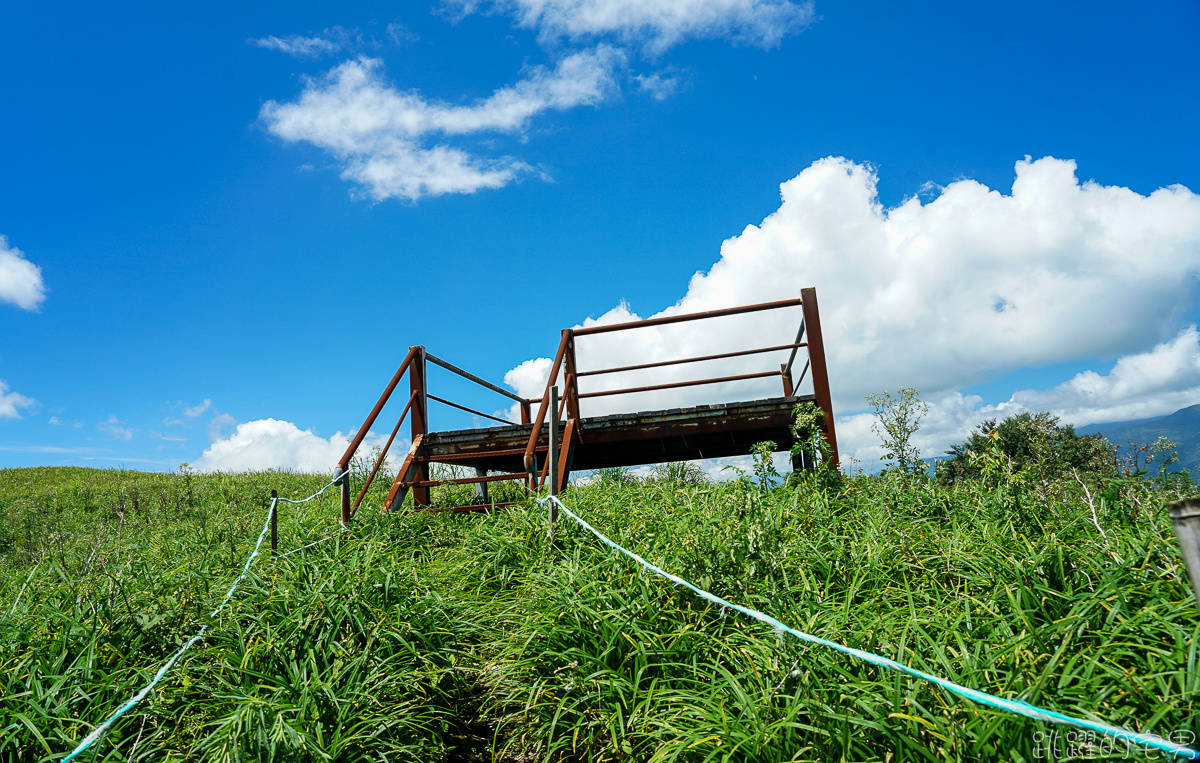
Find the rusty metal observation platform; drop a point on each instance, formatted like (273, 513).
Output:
(544, 447)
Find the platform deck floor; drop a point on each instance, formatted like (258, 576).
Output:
(630, 439)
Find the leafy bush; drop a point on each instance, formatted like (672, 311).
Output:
(1033, 443)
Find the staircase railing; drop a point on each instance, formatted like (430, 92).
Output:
(415, 472)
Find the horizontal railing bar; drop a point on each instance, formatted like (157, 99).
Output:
(468, 410)
(689, 317)
(693, 360)
(674, 385)
(440, 458)
(469, 480)
(468, 375)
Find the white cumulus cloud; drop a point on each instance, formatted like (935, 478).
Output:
(939, 295)
(388, 139)
(1142, 385)
(654, 24)
(274, 444)
(20, 280)
(12, 402)
(1139, 386)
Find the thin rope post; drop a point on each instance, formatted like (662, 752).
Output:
(552, 457)
(274, 522)
(342, 477)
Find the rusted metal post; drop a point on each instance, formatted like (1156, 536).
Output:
(531, 448)
(1185, 516)
(344, 464)
(420, 419)
(552, 455)
(820, 375)
(572, 389)
(274, 521)
(788, 391)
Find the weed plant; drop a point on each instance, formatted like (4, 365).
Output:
(444, 637)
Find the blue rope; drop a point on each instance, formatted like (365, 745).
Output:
(1016, 707)
(100, 730)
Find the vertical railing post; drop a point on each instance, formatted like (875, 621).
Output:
(1185, 516)
(420, 420)
(572, 389)
(820, 375)
(552, 457)
(274, 521)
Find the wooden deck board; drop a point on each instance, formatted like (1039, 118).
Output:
(631, 439)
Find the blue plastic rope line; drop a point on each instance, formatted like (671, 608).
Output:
(1016, 707)
(310, 545)
(103, 727)
(330, 484)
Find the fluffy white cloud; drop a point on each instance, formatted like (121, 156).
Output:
(20, 280)
(382, 135)
(11, 402)
(937, 296)
(273, 444)
(1139, 386)
(1143, 385)
(655, 24)
(326, 43)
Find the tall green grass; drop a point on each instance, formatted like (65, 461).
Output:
(447, 637)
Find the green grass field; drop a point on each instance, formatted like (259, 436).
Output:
(439, 637)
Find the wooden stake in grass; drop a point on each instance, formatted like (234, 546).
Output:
(1185, 515)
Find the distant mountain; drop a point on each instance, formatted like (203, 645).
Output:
(1182, 427)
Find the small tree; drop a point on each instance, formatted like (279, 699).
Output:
(897, 419)
(1035, 444)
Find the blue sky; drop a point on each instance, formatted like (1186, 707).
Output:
(223, 226)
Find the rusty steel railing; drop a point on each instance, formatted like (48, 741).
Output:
(414, 365)
(810, 327)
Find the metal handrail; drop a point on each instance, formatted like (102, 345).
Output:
(674, 385)
(444, 401)
(418, 397)
(472, 377)
(795, 345)
(572, 395)
(379, 461)
(689, 317)
(541, 417)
